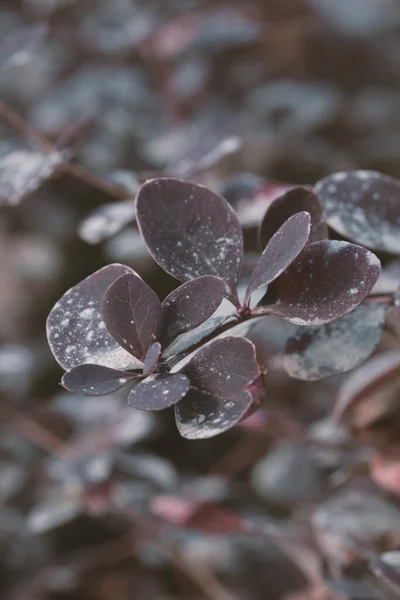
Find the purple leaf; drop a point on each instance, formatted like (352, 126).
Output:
(284, 246)
(132, 313)
(152, 357)
(223, 368)
(296, 200)
(191, 304)
(106, 221)
(363, 206)
(190, 231)
(95, 380)
(201, 415)
(159, 391)
(314, 353)
(17, 47)
(327, 280)
(75, 328)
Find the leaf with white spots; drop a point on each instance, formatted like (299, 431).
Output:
(106, 221)
(152, 357)
(191, 304)
(22, 173)
(17, 48)
(76, 331)
(224, 367)
(202, 415)
(132, 313)
(314, 353)
(190, 231)
(326, 281)
(293, 201)
(363, 206)
(159, 391)
(95, 380)
(281, 250)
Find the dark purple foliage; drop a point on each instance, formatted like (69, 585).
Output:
(281, 250)
(159, 391)
(363, 206)
(190, 231)
(152, 357)
(94, 380)
(132, 313)
(189, 305)
(328, 280)
(296, 200)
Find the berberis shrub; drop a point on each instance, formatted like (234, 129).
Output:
(112, 330)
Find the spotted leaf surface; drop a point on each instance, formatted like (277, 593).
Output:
(202, 415)
(159, 391)
(363, 206)
(190, 231)
(152, 356)
(76, 331)
(94, 380)
(224, 367)
(296, 200)
(314, 353)
(195, 336)
(281, 250)
(191, 304)
(327, 280)
(132, 313)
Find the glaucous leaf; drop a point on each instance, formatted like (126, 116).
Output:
(281, 250)
(326, 281)
(371, 377)
(94, 380)
(363, 206)
(223, 368)
(202, 415)
(190, 231)
(132, 313)
(76, 331)
(314, 353)
(152, 356)
(295, 200)
(191, 304)
(195, 336)
(159, 391)
(18, 46)
(22, 172)
(106, 221)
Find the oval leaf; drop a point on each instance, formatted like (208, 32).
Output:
(296, 200)
(363, 206)
(191, 304)
(75, 328)
(159, 391)
(327, 280)
(201, 415)
(223, 368)
(152, 357)
(284, 246)
(190, 231)
(132, 313)
(95, 380)
(368, 379)
(314, 353)
(195, 336)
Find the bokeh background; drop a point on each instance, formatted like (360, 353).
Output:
(96, 499)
